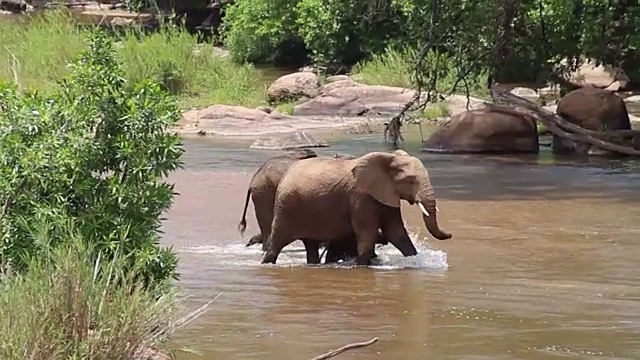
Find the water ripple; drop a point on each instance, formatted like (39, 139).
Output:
(389, 258)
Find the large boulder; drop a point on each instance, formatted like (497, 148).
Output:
(343, 96)
(484, 131)
(593, 109)
(605, 77)
(293, 87)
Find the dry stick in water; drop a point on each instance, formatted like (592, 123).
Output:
(339, 351)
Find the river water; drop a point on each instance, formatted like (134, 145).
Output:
(543, 265)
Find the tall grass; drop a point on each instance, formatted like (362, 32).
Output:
(395, 68)
(391, 68)
(68, 306)
(35, 51)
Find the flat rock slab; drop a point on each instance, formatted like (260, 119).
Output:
(239, 121)
(288, 141)
(345, 97)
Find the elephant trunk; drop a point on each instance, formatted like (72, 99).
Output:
(429, 216)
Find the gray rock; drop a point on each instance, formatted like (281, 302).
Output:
(348, 98)
(239, 121)
(293, 87)
(288, 141)
(525, 93)
(265, 109)
(601, 76)
(326, 105)
(335, 78)
(457, 104)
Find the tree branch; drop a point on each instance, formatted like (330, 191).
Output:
(339, 351)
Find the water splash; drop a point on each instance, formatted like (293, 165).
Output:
(389, 258)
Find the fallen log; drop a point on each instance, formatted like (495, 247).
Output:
(339, 351)
(626, 142)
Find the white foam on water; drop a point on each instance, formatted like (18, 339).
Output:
(389, 258)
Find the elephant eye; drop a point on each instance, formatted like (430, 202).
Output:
(411, 179)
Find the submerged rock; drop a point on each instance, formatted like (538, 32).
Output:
(484, 131)
(288, 141)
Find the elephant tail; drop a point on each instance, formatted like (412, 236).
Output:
(242, 225)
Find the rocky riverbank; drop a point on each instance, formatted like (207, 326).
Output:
(341, 103)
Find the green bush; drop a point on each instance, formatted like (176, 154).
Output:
(334, 31)
(96, 150)
(75, 304)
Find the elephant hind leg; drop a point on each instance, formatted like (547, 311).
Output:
(256, 239)
(263, 205)
(312, 248)
(277, 240)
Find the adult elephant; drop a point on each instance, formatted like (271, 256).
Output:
(262, 190)
(326, 199)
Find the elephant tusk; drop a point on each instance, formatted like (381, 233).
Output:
(422, 208)
(437, 210)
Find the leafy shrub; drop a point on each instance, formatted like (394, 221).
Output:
(335, 31)
(95, 151)
(72, 304)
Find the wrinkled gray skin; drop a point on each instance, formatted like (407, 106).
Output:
(262, 191)
(352, 196)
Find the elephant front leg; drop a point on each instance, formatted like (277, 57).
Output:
(312, 249)
(366, 242)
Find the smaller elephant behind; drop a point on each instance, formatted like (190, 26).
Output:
(262, 190)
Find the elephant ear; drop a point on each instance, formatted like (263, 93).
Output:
(372, 173)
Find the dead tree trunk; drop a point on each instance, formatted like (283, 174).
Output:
(625, 142)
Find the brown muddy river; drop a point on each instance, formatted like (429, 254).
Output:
(544, 264)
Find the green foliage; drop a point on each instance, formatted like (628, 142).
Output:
(392, 68)
(335, 31)
(36, 50)
(35, 53)
(511, 40)
(254, 28)
(95, 151)
(436, 110)
(395, 68)
(72, 304)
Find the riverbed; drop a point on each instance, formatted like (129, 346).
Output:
(543, 265)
